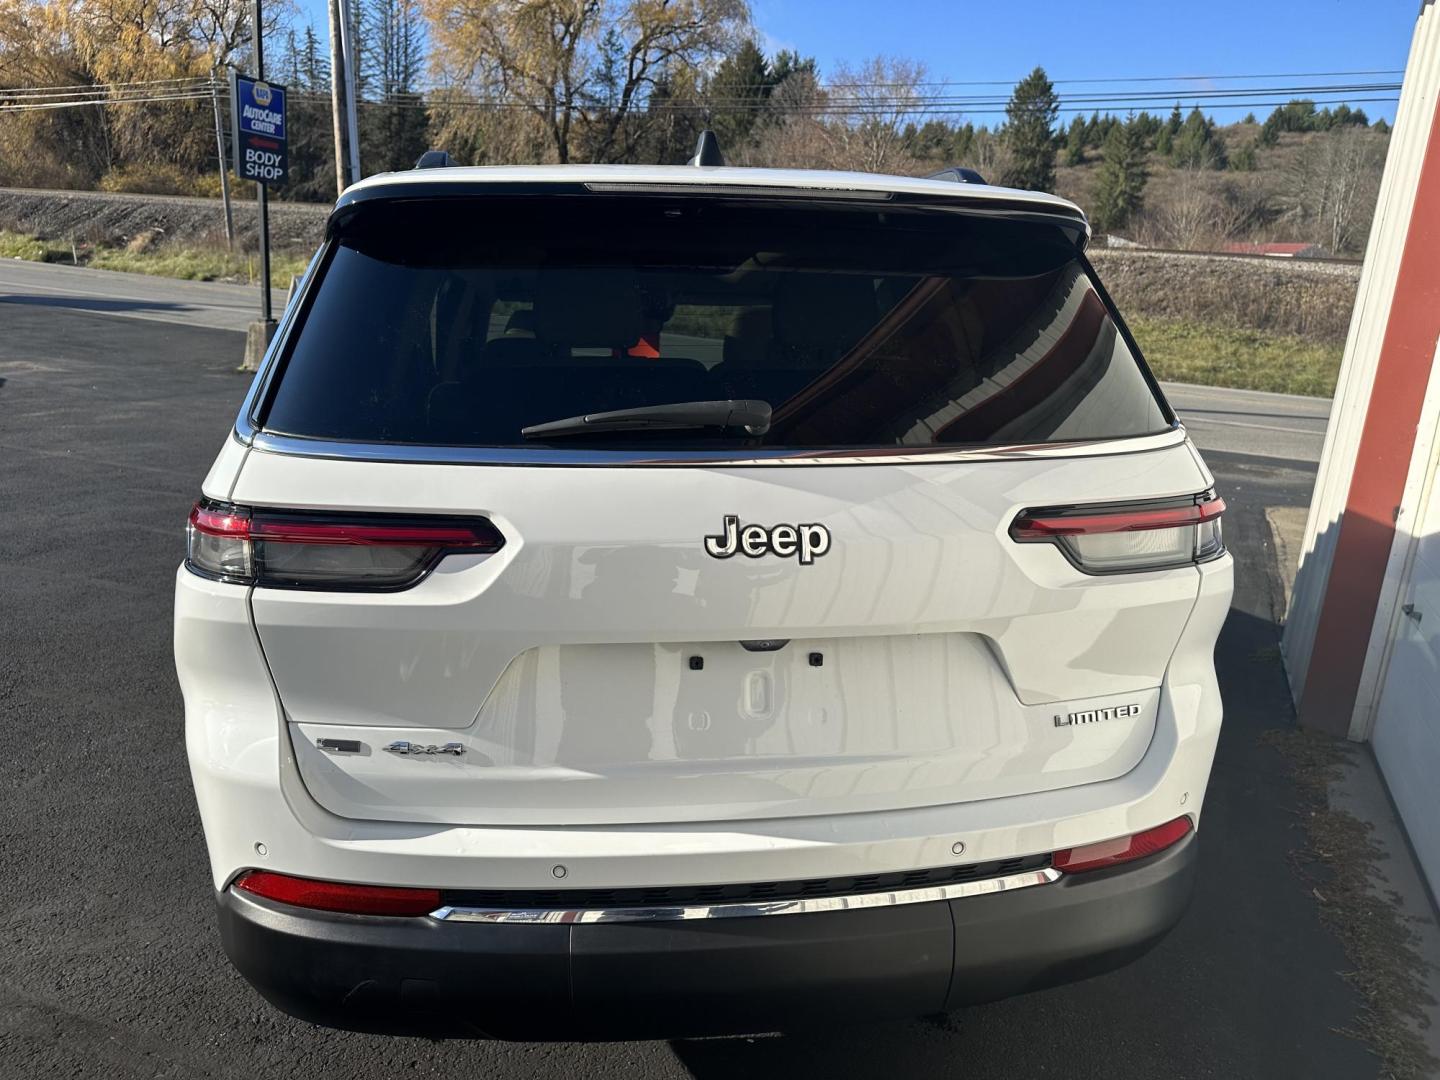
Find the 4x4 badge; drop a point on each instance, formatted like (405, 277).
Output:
(808, 542)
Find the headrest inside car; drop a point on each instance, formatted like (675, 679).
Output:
(824, 311)
(588, 308)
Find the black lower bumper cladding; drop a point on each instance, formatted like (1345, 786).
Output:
(699, 977)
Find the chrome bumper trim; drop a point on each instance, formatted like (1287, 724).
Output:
(803, 906)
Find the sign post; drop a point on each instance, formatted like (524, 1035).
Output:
(257, 128)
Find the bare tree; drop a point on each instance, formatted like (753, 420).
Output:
(874, 102)
(1332, 185)
(582, 69)
(988, 154)
(1188, 212)
(793, 133)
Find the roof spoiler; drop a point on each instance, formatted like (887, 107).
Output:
(958, 175)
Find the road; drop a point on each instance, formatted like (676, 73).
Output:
(133, 296)
(1285, 427)
(109, 961)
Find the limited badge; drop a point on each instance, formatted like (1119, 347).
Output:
(1094, 716)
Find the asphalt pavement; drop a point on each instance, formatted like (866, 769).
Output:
(211, 304)
(1284, 427)
(110, 965)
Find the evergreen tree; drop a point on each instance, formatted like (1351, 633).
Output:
(394, 131)
(311, 149)
(1270, 130)
(1075, 142)
(1120, 185)
(1198, 145)
(788, 62)
(962, 142)
(1176, 121)
(1296, 115)
(1030, 133)
(610, 78)
(314, 63)
(1149, 126)
(1244, 159)
(1249, 118)
(738, 89)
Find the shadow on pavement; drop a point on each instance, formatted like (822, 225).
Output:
(1247, 985)
(99, 304)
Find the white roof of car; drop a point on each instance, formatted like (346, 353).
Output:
(706, 176)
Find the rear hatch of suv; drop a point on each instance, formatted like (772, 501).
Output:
(894, 593)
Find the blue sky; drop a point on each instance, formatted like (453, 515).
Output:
(1086, 39)
(1096, 39)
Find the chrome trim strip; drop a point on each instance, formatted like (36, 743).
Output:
(807, 906)
(244, 429)
(404, 453)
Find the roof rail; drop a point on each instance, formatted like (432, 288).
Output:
(958, 175)
(707, 150)
(433, 159)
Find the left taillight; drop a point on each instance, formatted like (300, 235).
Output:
(338, 896)
(1129, 537)
(291, 549)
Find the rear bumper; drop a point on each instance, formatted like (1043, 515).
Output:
(703, 977)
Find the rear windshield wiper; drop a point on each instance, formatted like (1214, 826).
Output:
(753, 416)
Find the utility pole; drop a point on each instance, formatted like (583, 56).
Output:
(338, 97)
(352, 107)
(262, 191)
(224, 172)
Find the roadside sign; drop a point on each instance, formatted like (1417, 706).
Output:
(257, 129)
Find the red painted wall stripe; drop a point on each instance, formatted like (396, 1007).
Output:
(1387, 440)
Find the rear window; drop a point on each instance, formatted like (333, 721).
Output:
(460, 321)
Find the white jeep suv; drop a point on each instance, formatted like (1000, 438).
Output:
(666, 601)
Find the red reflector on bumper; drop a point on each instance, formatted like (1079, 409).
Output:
(335, 896)
(1122, 850)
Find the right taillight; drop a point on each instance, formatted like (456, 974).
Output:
(290, 549)
(1128, 537)
(1123, 849)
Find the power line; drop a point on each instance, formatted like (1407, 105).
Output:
(1318, 95)
(39, 105)
(908, 104)
(1143, 78)
(700, 107)
(911, 102)
(91, 88)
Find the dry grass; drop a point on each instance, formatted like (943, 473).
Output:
(19, 246)
(1213, 354)
(143, 255)
(1339, 861)
(192, 264)
(1309, 300)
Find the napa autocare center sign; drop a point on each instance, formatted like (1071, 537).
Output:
(257, 129)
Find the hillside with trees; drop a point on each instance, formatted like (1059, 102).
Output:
(121, 95)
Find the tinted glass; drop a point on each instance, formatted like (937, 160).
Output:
(462, 321)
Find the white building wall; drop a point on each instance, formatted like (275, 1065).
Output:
(1407, 719)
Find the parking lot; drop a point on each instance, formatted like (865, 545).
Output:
(109, 960)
